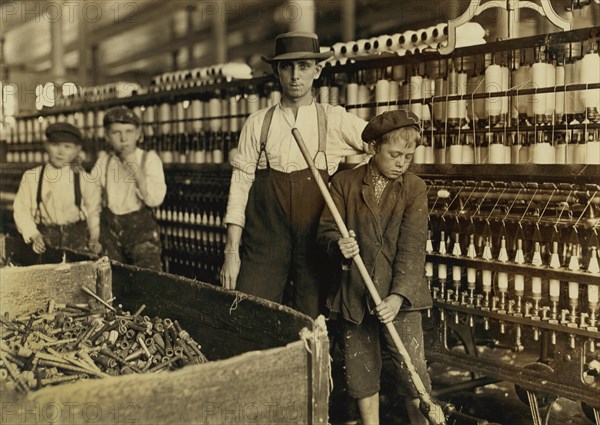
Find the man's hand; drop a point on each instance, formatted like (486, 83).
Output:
(230, 269)
(389, 308)
(39, 246)
(349, 246)
(95, 247)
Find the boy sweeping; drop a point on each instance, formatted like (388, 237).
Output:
(387, 207)
(57, 203)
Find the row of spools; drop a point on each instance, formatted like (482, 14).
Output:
(407, 42)
(195, 115)
(184, 116)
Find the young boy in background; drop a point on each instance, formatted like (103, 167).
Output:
(386, 206)
(58, 204)
(133, 182)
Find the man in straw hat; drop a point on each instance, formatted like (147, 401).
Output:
(274, 206)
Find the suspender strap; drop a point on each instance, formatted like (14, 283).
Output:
(77, 189)
(264, 133)
(322, 123)
(38, 196)
(105, 191)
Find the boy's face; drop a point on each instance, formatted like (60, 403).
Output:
(393, 158)
(62, 153)
(123, 138)
(297, 76)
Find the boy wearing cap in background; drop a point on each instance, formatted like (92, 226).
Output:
(58, 204)
(133, 182)
(274, 206)
(386, 206)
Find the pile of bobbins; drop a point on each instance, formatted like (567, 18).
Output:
(70, 342)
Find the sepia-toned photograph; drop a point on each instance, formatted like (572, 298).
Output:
(277, 212)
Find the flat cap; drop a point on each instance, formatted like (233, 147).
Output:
(63, 132)
(122, 115)
(389, 121)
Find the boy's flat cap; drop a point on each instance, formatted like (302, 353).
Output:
(63, 132)
(388, 121)
(122, 115)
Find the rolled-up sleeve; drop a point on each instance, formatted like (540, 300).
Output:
(244, 170)
(155, 180)
(409, 271)
(23, 204)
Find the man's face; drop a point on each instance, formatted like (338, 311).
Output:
(123, 138)
(297, 76)
(62, 153)
(393, 158)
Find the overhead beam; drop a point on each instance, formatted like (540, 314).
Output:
(153, 11)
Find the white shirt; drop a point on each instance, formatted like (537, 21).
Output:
(343, 139)
(120, 187)
(58, 200)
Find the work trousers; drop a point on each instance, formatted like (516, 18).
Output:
(132, 238)
(279, 241)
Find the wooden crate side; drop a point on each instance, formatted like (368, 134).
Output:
(26, 289)
(225, 323)
(266, 387)
(319, 372)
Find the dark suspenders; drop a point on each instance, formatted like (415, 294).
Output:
(38, 196)
(321, 122)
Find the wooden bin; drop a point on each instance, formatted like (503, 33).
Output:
(269, 364)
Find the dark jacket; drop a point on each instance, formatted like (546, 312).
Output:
(391, 237)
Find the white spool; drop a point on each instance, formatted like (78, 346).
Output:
(538, 74)
(440, 32)
(452, 90)
(394, 94)
(570, 79)
(592, 152)
(352, 96)
(362, 47)
(179, 115)
(149, 116)
(439, 107)
(427, 90)
(496, 154)
(214, 108)
(456, 154)
(364, 95)
(337, 49)
(416, 82)
(398, 42)
(468, 154)
(580, 96)
(233, 110)
(550, 82)
(543, 153)
(560, 154)
(493, 83)
(382, 94)
(428, 35)
(253, 103)
(419, 156)
(411, 38)
(589, 74)
(196, 109)
(164, 117)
